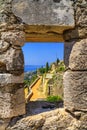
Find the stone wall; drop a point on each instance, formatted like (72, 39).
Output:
(75, 78)
(12, 37)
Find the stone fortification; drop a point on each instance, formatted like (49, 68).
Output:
(64, 20)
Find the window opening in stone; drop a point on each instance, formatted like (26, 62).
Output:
(43, 76)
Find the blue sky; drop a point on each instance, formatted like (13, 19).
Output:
(40, 53)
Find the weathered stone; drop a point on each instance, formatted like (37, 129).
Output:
(9, 78)
(80, 30)
(4, 27)
(47, 20)
(81, 10)
(67, 51)
(75, 90)
(12, 104)
(15, 38)
(6, 14)
(54, 120)
(44, 12)
(4, 123)
(3, 46)
(77, 33)
(11, 87)
(13, 59)
(2, 67)
(78, 56)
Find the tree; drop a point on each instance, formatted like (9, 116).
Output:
(47, 67)
(57, 61)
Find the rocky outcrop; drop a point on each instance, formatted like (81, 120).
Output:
(57, 119)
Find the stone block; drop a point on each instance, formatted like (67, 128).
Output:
(75, 90)
(12, 104)
(44, 12)
(67, 51)
(10, 79)
(16, 38)
(78, 56)
(13, 60)
(80, 30)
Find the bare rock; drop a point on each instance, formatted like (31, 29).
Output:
(9, 78)
(2, 66)
(80, 30)
(44, 12)
(13, 60)
(13, 37)
(3, 46)
(12, 104)
(75, 90)
(78, 56)
(55, 120)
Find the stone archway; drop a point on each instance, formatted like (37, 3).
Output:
(14, 33)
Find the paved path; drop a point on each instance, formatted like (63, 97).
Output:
(36, 93)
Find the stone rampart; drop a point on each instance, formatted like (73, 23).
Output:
(42, 20)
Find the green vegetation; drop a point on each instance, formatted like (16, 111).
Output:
(44, 70)
(57, 61)
(61, 68)
(30, 78)
(54, 98)
(41, 71)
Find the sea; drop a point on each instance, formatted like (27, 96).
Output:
(31, 68)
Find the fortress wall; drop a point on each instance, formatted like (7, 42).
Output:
(75, 78)
(56, 18)
(12, 37)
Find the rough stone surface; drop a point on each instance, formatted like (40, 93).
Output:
(67, 51)
(75, 90)
(44, 12)
(12, 104)
(80, 30)
(9, 78)
(6, 15)
(48, 20)
(3, 46)
(78, 57)
(2, 66)
(14, 37)
(13, 60)
(54, 120)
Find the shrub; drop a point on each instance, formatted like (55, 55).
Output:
(54, 98)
